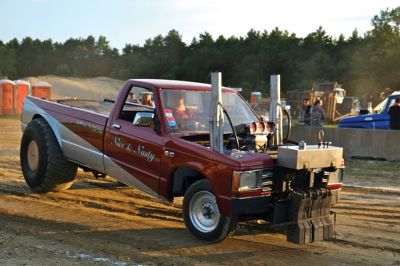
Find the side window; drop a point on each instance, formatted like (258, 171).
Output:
(391, 103)
(138, 107)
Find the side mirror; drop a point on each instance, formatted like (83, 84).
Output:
(143, 119)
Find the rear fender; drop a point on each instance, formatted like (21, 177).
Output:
(72, 145)
(31, 111)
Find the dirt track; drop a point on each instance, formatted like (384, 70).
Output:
(100, 223)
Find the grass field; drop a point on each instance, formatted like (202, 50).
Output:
(372, 173)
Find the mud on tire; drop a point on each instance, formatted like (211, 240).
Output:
(201, 215)
(42, 162)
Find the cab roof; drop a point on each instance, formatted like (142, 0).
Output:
(177, 84)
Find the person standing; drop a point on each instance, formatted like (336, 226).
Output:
(394, 113)
(318, 114)
(304, 114)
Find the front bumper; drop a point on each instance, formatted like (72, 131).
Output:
(251, 205)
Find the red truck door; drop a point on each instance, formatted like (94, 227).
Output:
(133, 150)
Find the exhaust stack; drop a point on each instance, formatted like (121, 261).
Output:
(216, 114)
(275, 112)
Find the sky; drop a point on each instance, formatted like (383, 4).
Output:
(134, 21)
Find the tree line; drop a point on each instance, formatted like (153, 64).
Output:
(363, 64)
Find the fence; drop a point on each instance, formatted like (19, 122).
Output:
(365, 143)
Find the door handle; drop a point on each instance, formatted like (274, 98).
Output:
(170, 154)
(116, 126)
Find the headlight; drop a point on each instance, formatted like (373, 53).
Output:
(246, 180)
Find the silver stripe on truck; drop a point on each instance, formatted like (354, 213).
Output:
(79, 150)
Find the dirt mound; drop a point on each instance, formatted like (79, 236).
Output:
(82, 88)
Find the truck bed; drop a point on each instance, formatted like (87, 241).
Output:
(79, 126)
(103, 107)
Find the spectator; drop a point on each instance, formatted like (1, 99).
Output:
(147, 100)
(304, 114)
(318, 114)
(394, 113)
(133, 98)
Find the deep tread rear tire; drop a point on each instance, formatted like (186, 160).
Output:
(225, 226)
(53, 172)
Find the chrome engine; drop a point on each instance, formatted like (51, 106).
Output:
(253, 137)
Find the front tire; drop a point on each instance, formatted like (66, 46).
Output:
(201, 215)
(42, 162)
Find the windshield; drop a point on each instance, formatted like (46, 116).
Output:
(189, 111)
(384, 106)
(380, 108)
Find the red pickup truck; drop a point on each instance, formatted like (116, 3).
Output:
(155, 136)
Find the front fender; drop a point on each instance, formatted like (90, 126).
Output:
(219, 181)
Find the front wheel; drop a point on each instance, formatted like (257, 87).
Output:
(201, 215)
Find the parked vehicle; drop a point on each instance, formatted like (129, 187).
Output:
(379, 120)
(167, 154)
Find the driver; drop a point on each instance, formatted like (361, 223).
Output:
(182, 114)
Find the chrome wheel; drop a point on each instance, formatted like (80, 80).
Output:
(203, 211)
(33, 155)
